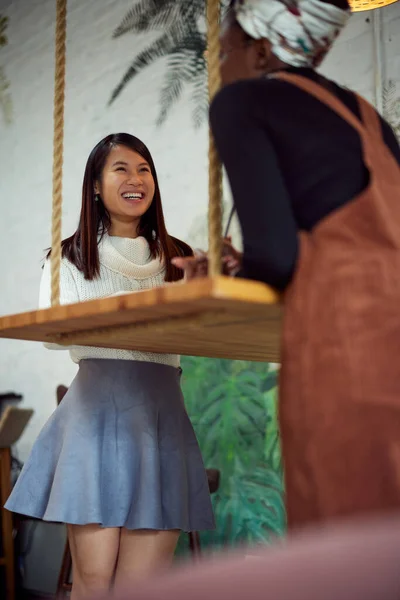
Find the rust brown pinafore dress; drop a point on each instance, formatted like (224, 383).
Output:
(340, 376)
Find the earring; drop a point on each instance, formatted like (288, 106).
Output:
(97, 198)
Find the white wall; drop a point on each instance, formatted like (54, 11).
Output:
(95, 64)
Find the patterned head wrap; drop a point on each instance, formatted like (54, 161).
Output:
(301, 32)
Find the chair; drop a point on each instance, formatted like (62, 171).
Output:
(12, 424)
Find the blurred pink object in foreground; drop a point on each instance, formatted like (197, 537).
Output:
(354, 560)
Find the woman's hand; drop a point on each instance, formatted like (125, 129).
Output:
(197, 266)
(193, 266)
(231, 258)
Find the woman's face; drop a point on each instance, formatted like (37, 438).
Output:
(127, 186)
(241, 57)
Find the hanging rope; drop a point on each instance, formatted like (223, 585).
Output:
(58, 148)
(214, 167)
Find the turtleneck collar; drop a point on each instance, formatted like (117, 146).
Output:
(130, 257)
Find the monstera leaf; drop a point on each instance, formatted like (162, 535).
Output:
(249, 508)
(232, 405)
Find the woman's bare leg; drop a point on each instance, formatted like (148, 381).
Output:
(94, 552)
(144, 552)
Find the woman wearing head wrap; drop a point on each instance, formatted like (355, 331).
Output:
(315, 178)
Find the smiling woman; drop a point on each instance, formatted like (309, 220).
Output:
(118, 461)
(119, 165)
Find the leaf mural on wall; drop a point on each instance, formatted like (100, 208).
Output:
(182, 41)
(5, 96)
(185, 68)
(391, 105)
(232, 405)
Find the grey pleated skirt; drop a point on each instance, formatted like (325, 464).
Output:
(119, 451)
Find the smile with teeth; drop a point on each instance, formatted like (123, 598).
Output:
(133, 195)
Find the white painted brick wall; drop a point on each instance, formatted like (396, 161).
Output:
(95, 64)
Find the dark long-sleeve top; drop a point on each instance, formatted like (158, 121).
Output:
(291, 161)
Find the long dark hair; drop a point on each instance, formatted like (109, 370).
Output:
(82, 247)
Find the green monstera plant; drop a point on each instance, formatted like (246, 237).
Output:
(232, 405)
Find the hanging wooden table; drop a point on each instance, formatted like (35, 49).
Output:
(217, 317)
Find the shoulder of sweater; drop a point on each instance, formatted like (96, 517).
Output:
(65, 264)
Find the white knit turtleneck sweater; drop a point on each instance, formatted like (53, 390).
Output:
(125, 266)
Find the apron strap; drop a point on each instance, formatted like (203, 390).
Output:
(370, 119)
(327, 98)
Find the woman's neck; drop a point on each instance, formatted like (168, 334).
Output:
(275, 65)
(125, 230)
